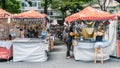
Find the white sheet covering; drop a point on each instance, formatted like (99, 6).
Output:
(6, 44)
(29, 51)
(85, 51)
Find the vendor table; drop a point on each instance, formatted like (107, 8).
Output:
(30, 50)
(85, 51)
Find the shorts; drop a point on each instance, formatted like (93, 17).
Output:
(52, 37)
(98, 44)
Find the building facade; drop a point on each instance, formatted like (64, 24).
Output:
(27, 5)
(112, 7)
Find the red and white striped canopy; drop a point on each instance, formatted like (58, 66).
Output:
(4, 14)
(90, 13)
(29, 14)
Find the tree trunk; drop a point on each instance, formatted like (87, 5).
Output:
(45, 7)
(118, 1)
(3, 4)
(102, 6)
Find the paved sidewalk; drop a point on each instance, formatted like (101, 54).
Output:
(57, 60)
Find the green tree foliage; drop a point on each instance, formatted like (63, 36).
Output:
(72, 6)
(65, 5)
(12, 6)
(46, 3)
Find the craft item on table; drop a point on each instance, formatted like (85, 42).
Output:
(87, 32)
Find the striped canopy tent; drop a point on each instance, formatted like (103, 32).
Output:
(72, 17)
(90, 13)
(4, 14)
(29, 14)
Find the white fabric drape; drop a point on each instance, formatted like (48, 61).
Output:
(85, 52)
(6, 44)
(30, 51)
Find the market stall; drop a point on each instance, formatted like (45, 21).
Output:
(28, 46)
(28, 21)
(30, 50)
(5, 43)
(85, 24)
(4, 23)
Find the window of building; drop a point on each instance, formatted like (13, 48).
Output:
(39, 5)
(34, 4)
(25, 4)
(111, 11)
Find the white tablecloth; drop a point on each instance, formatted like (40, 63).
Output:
(6, 44)
(85, 51)
(29, 51)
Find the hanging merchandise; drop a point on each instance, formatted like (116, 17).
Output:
(96, 24)
(88, 32)
(90, 24)
(106, 23)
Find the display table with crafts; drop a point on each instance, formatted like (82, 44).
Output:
(30, 50)
(85, 51)
(6, 50)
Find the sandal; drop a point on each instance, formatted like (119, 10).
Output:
(68, 57)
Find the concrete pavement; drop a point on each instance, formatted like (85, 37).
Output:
(57, 60)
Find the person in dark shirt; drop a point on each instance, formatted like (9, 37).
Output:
(69, 42)
(36, 33)
(59, 34)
